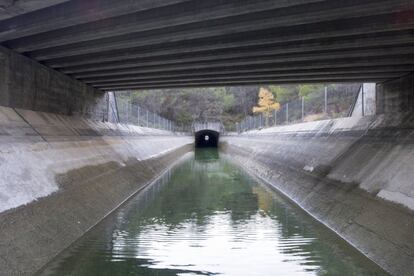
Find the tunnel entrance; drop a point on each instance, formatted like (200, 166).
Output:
(206, 138)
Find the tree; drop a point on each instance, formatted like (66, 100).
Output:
(266, 103)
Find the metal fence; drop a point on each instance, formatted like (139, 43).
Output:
(326, 104)
(129, 113)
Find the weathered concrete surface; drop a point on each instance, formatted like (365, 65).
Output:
(396, 96)
(60, 175)
(365, 104)
(340, 171)
(154, 43)
(11, 8)
(26, 84)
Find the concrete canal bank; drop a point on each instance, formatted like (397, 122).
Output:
(60, 175)
(353, 174)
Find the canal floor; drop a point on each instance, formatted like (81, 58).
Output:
(206, 216)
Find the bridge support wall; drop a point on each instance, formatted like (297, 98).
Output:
(26, 84)
(396, 96)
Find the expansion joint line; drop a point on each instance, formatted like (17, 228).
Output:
(27, 122)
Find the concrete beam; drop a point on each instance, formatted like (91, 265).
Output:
(165, 17)
(306, 62)
(271, 78)
(229, 45)
(252, 76)
(348, 65)
(339, 79)
(252, 80)
(278, 53)
(74, 12)
(12, 8)
(258, 27)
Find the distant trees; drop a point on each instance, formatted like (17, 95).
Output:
(184, 106)
(232, 104)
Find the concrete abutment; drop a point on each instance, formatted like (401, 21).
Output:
(396, 96)
(27, 84)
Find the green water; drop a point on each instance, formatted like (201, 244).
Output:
(207, 217)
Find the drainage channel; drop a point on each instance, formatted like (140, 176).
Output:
(206, 216)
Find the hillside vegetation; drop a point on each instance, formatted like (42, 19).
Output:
(231, 104)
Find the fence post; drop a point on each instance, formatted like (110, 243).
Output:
(107, 107)
(138, 116)
(127, 112)
(326, 100)
(275, 117)
(147, 118)
(260, 120)
(287, 113)
(362, 100)
(303, 108)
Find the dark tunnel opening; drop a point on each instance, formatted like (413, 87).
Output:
(206, 138)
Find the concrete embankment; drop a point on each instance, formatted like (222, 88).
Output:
(60, 175)
(353, 174)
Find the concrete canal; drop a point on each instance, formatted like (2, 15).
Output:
(206, 216)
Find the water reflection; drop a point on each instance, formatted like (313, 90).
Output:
(208, 217)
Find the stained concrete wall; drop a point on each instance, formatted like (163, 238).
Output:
(365, 104)
(26, 84)
(353, 174)
(396, 96)
(60, 175)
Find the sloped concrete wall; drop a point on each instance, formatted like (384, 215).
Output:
(60, 175)
(353, 174)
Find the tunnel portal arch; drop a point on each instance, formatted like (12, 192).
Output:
(206, 138)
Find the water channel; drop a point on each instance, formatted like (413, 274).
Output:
(206, 216)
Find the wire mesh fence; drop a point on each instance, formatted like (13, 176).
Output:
(129, 113)
(328, 103)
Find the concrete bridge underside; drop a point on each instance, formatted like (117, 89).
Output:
(121, 45)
